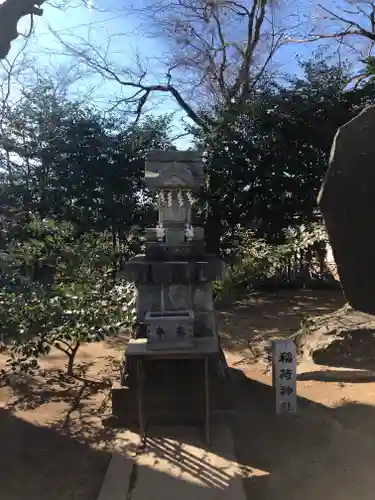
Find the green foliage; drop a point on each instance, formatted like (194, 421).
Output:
(258, 261)
(81, 174)
(77, 165)
(266, 162)
(305, 236)
(80, 301)
(369, 63)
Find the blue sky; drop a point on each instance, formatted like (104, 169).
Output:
(81, 21)
(96, 24)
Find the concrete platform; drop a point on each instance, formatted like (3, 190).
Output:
(174, 465)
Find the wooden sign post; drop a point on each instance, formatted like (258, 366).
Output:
(284, 375)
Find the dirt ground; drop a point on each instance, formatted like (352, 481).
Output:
(54, 446)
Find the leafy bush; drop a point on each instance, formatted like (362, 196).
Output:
(259, 262)
(72, 298)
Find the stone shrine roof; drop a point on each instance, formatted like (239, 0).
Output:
(174, 169)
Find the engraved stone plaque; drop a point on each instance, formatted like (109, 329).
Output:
(170, 329)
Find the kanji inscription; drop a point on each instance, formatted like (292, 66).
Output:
(284, 363)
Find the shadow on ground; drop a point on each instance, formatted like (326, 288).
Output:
(355, 348)
(30, 391)
(38, 463)
(193, 462)
(317, 453)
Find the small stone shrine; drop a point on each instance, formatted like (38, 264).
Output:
(347, 202)
(173, 282)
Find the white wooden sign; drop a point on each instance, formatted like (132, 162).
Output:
(284, 375)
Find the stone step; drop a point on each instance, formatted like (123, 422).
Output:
(175, 465)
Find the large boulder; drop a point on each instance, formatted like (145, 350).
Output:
(347, 202)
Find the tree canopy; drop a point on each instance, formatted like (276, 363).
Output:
(267, 161)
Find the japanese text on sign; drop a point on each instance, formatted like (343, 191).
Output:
(284, 365)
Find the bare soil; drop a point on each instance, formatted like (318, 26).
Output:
(54, 445)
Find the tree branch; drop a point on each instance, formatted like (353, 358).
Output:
(224, 58)
(213, 47)
(360, 29)
(59, 347)
(11, 11)
(350, 27)
(142, 91)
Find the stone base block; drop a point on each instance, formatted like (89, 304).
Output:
(161, 408)
(177, 269)
(173, 392)
(175, 372)
(168, 251)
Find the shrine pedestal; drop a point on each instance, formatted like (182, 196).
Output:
(173, 384)
(175, 358)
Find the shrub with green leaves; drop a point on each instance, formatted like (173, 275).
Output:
(59, 290)
(259, 261)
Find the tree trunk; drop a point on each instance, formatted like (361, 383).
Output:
(71, 359)
(321, 252)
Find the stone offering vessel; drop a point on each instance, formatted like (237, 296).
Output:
(347, 202)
